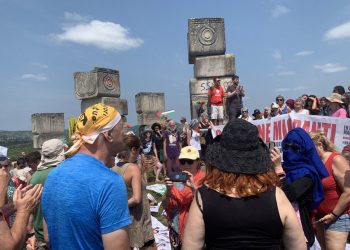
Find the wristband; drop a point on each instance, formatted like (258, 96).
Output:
(337, 216)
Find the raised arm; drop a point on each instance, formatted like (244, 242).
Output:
(25, 200)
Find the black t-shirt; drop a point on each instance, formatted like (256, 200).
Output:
(234, 101)
(158, 141)
(147, 147)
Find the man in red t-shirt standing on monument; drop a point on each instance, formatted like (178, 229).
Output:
(216, 94)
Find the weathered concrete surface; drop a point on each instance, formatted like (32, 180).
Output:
(198, 102)
(147, 118)
(149, 102)
(211, 66)
(97, 83)
(47, 123)
(38, 140)
(206, 36)
(202, 85)
(120, 104)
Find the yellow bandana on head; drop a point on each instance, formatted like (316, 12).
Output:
(96, 119)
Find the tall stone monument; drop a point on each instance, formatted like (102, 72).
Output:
(206, 50)
(148, 104)
(100, 85)
(46, 126)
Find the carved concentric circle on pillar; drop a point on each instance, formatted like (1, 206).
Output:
(109, 82)
(207, 35)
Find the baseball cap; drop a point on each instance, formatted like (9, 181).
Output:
(189, 152)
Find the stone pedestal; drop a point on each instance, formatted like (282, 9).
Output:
(38, 140)
(46, 126)
(202, 85)
(120, 104)
(99, 82)
(211, 66)
(44, 123)
(149, 102)
(147, 118)
(206, 36)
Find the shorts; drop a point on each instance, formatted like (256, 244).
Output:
(217, 112)
(342, 224)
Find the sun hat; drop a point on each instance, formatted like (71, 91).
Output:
(334, 97)
(22, 173)
(274, 106)
(52, 153)
(189, 152)
(154, 125)
(239, 150)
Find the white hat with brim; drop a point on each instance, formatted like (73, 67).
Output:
(335, 97)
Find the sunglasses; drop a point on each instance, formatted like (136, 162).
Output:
(244, 111)
(279, 99)
(294, 147)
(184, 161)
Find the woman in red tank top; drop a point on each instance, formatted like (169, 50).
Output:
(333, 213)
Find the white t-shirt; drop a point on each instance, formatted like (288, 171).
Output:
(303, 112)
(195, 140)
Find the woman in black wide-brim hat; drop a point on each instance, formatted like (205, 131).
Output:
(240, 206)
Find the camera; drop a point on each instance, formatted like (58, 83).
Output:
(178, 177)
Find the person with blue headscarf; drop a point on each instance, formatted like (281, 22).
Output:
(304, 171)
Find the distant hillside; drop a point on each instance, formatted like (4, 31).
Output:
(18, 142)
(10, 137)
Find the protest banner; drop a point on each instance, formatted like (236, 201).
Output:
(276, 128)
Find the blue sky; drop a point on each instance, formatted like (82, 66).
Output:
(281, 47)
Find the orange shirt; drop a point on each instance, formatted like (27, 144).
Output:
(216, 95)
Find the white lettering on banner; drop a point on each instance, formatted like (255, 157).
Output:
(275, 129)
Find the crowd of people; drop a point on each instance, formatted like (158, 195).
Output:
(225, 192)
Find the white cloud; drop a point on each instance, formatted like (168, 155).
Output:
(279, 90)
(104, 35)
(299, 88)
(35, 77)
(331, 67)
(276, 54)
(75, 17)
(279, 10)
(282, 90)
(339, 32)
(304, 53)
(41, 65)
(286, 73)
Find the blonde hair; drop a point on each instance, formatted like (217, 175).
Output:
(319, 137)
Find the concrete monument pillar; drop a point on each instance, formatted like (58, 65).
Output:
(206, 50)
(100, 85)
(46, 126)
(148, 104)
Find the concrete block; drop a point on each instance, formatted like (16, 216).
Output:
(211, 66)
(120, 104)
(97, 83)
(47, 123)
(206, 36)
(147, 118)
(149, 102)
(38, 140)
(202, 85)
(199, 105)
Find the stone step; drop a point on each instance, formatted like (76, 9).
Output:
(211, 66)
(43, 123)
(149, 102)
(120, 104)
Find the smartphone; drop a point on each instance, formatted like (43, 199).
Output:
(178, 177)
(271, 145)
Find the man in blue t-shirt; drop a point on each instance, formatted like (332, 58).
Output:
(85, 203)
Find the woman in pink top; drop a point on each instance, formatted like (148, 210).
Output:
(336, 109)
